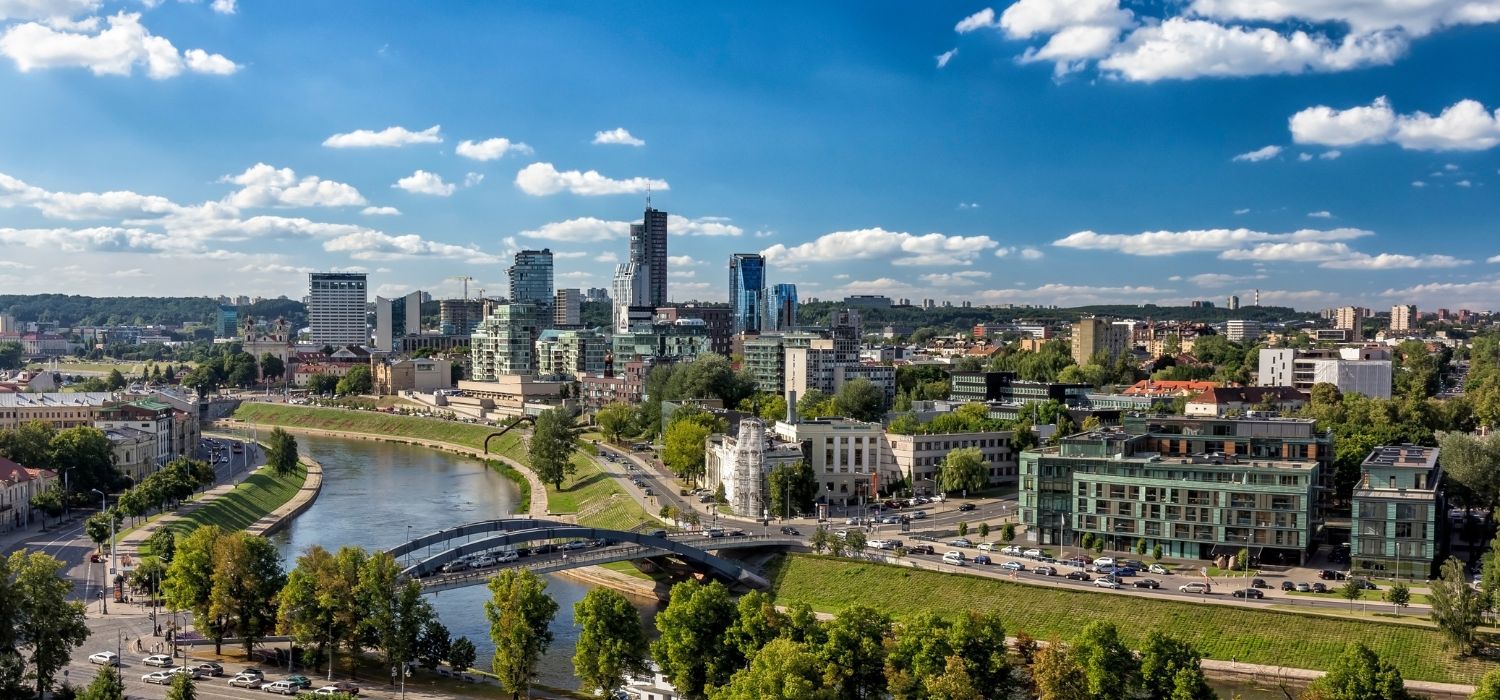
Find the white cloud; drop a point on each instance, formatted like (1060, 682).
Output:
(374, 245)
(132, 272)
(1219, 279)
(607, 257)
(570, 254)
(1339, 256)
(585, 229)
(1024, 252)
(1464, 183)
(1154, 243)
(224, 7)
(267, 186)
(1330, 154)
(380, 211)
(764, 234)
(1069, 294)
(617, 136)
(1180, 48)
(575, 275)
(983, 19)
(542, 179)
(491, 149)
(1451, 167)
(946, 56)
(278, 268)
(1241, 212)
(1418, 183)
(968, 205)
(682, 260)
(702, 226)
(962, 278)
(423, 182)
(1304, 157)
(904, 248)
(98, 238)
(1259, 154)
(1463, 126)
(472, 179)
(1324, 214)
(117, 50)
(1360, 16)
(389, 137)
(1027, 18)
(45, 9)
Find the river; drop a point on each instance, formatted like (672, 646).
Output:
(372, 492)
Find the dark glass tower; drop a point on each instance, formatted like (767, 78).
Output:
(747, 291)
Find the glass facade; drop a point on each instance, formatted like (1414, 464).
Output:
(747, 291)
(531, 278)
(782, 315)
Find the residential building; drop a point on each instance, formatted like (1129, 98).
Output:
(435, 342)
(227, 323)
(396, 319)
(57, 409)
(570, 354)
(567, 308)
(18, 484)
(919, 458)
(742, 464)
(459, 316)
(531, 279)
(422, 374)
(598, 295)
(134, 452)
(632, 286)
(718, 322)
(1093, 336)
(42, 344)
(1234, 303)
(148, 416)
(845, 456)
(623, 382)
(1169, 388)
(1242, 400)
(782, 315)
(504, 343)
(764, 356)
(648, 253)
(336, 308)
(1403, 317)
(1242, 330)
(1357, 370)
(685, 339)
(747, 291)
(8, 325)
(1399, 524)
(1352, 319)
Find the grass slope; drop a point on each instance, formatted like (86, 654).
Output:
(259, 494)
(1220, 632)
(371, 423)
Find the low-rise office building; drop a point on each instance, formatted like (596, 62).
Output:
(58, 409)
(1399, 518)
(919, 458)
(845, 456)
(420, 374)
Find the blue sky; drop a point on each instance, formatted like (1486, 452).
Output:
(1323, 151)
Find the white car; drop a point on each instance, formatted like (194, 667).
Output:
(245, 681)
(281, 688)
(192, 673)
(1194, 587)
(162, 660)
(105, 658)
(481, 562)
(158, 677)
(1106, 583)
(1103, 562)
(918, 514)
(1159, 570)
(507, 556)
(1011, 550)
(986, 546)
(1032, 554)
(881, 544)
(954, 558)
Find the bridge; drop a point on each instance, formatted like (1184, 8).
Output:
(425, 556)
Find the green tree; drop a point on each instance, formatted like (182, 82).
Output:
(271, 367)
(1471, 462)
(1156, 553)
(919, 652)
(684, 444)
(1163, 661)
(303, 610)
(1398, 595)
(115, 381)
(1140, 547)
(1457, 608)
(392, 611)
(357, 380)
(978, 640)
(963, 469)
(189, 581)
(87, 456)
(1358, 674)
(984, 531)
(860, 400)
(434, 645)
(963, 528)
(611, 643)
(183, 688)
(29, 444)
(10, 355)
(98, 524)
(244, 582)
(1351, 591)
(1111, 669)
(615, 420)
(44, 620)
(955, 683)
(694, 650)
(107, 685)
(1058, 675)
(203, 379)
(792, 488)
(1488, 688)
(50, 501)
(1008, 532)
(757, 622)
(815, 404)
(461, 655)
(148, 574)
(320, 384)
(853, 652)
(554, 439)
(519, 611)
(783, 670)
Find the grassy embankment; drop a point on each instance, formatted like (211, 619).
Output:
(1220, 632)
(252, 499)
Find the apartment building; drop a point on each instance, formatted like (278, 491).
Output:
(1403, 317)
(424, 375)
(336, 308)
(1399, 519)
(570, 354)
(504, 343)
(148, 416)
(1092, 336)
(58, 409)
(1360, 370)
(920, 458)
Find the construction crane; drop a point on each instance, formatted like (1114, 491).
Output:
(465, 279)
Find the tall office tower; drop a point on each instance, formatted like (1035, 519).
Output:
(336, 308)
(1403, 317)
(459, 316)
(630, 285)
(747, 291)
(847, 331)
(567, 308)
(531, 278)
(504, 343)
(648, 250)
(782, 314)
(228, 325)
(397, 318)
(1234, 303)
(1092, 336)
(1350, 318)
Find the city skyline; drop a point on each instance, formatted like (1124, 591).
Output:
(1324, 155)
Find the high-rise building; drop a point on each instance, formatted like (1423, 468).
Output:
(396, 319)
(531, 278)
(630, 286)
(228, 325)
(1350, 318)
(1403, 317)
(648, 250)
(782, 315)
(747, 291)
(1234, 303)
(596, 294)
(336, 308)
(459, 316)
(718, 322)
(567, 308)
(1092, 336)
(504, 343)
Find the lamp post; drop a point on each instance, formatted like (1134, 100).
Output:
(104, 575)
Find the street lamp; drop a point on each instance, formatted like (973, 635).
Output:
(104, 576)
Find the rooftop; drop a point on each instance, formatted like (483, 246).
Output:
(1401, 457)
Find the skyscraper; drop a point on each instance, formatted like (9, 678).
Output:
(648, 250)
(531, 278)
(567, 308)
(782, 315)
(336, 308)
(747, 291)
(397, 318)
(1403, 317)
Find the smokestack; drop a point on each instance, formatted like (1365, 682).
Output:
(791, 407)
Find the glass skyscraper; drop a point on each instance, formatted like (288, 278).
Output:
(782, 314)
(531, 278)
(747, 291)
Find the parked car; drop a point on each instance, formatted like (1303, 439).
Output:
(281, 688)
(339, 687)
(1331, 575)
(1304, 588)
(455, 566)
(1147, 583)
(189, 671)
(1103, 562)
(987, 547)
(918, 514)
(966, 507)
(1044, 571)
(210, 668)
(1159, 570)
(982, 559)
(571, 545)
(1013, 566)
(105, 658)
(1032, 554)
(162, 660)
(961, 542)
(1011, 550)
(481, 562)
(1248, 593)
(1195, 587)
(506, 556)
(1288, 586)
(545, 548)
(1107, 582)
(253, 672)
(921, 549)
(1078, 576)
(1365, 584)
(1259, 583)
(299, 681)
(245, 681)
(954, 558)
(158, 677)
(1319, 587)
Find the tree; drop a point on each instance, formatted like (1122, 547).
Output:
(1163, 661)
(683, 443)
(1471, 462)
(963, 469)
(87, 456)
(861, 400)
(392, 612)
(1358, 674)
(611, 643)
(757, 622)
(1488, 688)
(519, 611)
(815, 404)
(203, 379)
(978, 640)
(984, 531)
(50, 501)
(1351, 591)
(189, 579)
(115, 381)
(615, 420)
(182, 688)
(1140, 547)
(792, 488)
(434, 645)
(554, 439)
(853, 652)
(148, 574)
(1058, 675)
(1008, 532)
(108, 685)
(272, 367)
(1398, 595)
(920, 651)
(244, 582)
(97, 527)
(10, 355)
(461, 655)
(694, 650)
(783, 670)
(956, 683)
(1456, 607)
(30, 444)
(1156, 553)
(1112, 671)
(320, 384)
(45, 621)
(356, 381)
(963, 528)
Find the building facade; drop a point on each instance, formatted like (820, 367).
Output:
(504, 343)
(336, 308)
(227, 323)
(567, 308)
(531, 278)
(747, 291)
(57, 409)
(1399, 518)
(423, 375)
(1403, 317)
(781, 315)
(459, 316)
(1092, 336)
(742, 464)
(571, 354)
(919, 458)
(648, 251)
(396, 319)
(1350, 369)
(845, 456)
(718, 322)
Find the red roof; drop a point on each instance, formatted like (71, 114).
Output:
(1148, 387)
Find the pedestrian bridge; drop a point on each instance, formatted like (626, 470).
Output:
(423, 558)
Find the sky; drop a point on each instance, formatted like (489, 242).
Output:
(1324, 152)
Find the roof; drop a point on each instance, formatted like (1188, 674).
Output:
(1249, 394)
(1147, 387)
(56, 398)
(1405, 456)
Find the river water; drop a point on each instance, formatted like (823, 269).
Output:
(372, 492)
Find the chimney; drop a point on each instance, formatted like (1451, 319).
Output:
(791, 407)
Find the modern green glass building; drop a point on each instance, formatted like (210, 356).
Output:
(1400, 524)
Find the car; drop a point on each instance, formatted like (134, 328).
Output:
(1147, 583)
(1159, 570)
(1103, 562)
(954, 558)
(245, 681)
(921, 549)
(789, 530)
(1319, 587)
(880, 544)
(507, 556)
(1288, 586)
(162, 660)
(987, 547)
(1078, 576)
(210, 668)
(649, 492)
(961, 542)
(571, 545)
(1365, 584)
(1013, 566)
(338, 687)
(1107, 582)
(105, 658)
(982, 559)
(889, 520)
(455, 566)
(96, 558)
(1032, 554)
(481, 562)
(1044, 571)
(1195, 587)
(1248, 593)
(918, 514)
(1123, 571)
(299, 681)
(281, 688)
(189, 671)
(719, 532)
(1078, 562)
(1304, 588)
(1331, 575)
(1011, 550)
(158, 677)
(966, 507)
(253, 672)
(1259, 583)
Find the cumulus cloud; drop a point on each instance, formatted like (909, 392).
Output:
(607, 257)
(1259, 154)
(946, 56)
(1414, 18)
(962, 278)
(1332, 154)
(542, 179)
(1023, 252)
(1154, 243)
(702, 226)
(267, 186)
(618, 137)
(116, 50)
(1324, 214)
(491, 149)
(1463, 126)
(903, 248)
(224, 7)
(586, 229)
(1210, 280)
(375, 245)
(389, 137)
(473, 179)
(45, 9)
(380, 211)
(423, 182)
(983, 19)
(1339, 256)
(1070, 294)
(1180, 48)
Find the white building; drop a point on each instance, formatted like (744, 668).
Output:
(845, 456)
(397, 318)
(1403, 317)
(1241, 330)
(1360, 370)
(336, 308)
(920, 457)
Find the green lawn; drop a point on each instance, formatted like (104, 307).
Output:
(1220, 632)
(1368, 596)
(464, 434)
(259, 494)
(596, 498)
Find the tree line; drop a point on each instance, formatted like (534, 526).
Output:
(80, 455)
